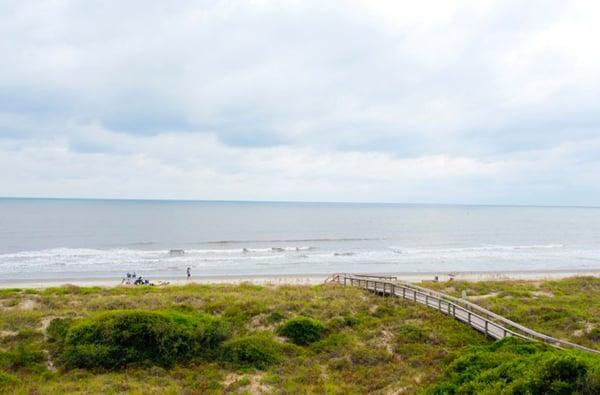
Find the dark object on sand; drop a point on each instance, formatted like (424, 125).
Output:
(142, 281)
(189, 273)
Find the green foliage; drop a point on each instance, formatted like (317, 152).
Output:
(369, 356)
(14, 320)
(372, 344)
(6, 380)
(560, 374)
(56, 332)
(276, 316)
(519, 368)
(411, 334)
(120, 338)
(340, 322)
(25, 356)
(302, 330)
(258, 351)
(337, 342)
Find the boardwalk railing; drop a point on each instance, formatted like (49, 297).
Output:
(483, 320)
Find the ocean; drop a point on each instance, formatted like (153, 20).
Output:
(63, 239)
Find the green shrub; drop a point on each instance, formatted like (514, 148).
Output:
(513, 367)
(336, 342)
(351, 321)
(6, 380)
(116, 339)
(56, 332)
(257, 351)
(25, 356)
(302, 330)
(559, 374)
(411, 334)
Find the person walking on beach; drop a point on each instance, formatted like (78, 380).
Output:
(189, 273)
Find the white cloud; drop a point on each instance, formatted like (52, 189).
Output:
(462, 101)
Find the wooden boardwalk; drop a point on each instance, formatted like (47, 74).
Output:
(483, 320)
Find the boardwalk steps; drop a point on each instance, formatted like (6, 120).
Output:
(483, 320)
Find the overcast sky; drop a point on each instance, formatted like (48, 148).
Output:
(494, 102)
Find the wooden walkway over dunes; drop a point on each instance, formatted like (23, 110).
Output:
(483, 320)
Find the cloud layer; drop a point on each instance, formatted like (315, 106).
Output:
(450, 102)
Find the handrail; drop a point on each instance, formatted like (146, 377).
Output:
(452, 304)
(374, 276)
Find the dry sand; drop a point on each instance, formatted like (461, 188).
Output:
(308, 279)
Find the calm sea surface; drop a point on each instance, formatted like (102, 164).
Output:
(50, 239)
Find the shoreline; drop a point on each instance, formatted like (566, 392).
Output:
(308, 279)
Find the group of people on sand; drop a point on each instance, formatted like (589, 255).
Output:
(133, 278)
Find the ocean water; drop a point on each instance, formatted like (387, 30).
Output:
(102, 239)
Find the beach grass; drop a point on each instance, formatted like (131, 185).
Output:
(279, 339)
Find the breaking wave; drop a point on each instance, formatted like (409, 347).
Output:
(483, 248)
(296, 258)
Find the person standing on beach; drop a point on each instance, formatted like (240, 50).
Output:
(189, 273)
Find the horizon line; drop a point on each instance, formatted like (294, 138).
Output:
(296, 202)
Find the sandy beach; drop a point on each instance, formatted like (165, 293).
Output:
(309, 279)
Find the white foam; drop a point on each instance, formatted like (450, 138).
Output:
(482, 248)
(299, 259)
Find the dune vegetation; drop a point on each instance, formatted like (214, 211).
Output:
(290, 339)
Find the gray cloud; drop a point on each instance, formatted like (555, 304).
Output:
(227, 85)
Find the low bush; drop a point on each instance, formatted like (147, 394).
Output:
(411, 334)
(302, 330)
(6, 380)
(559, 374)
(257, 351)
(25, 356)
(337, 342)
(513, 367)
(120, 338)
(57, 331)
